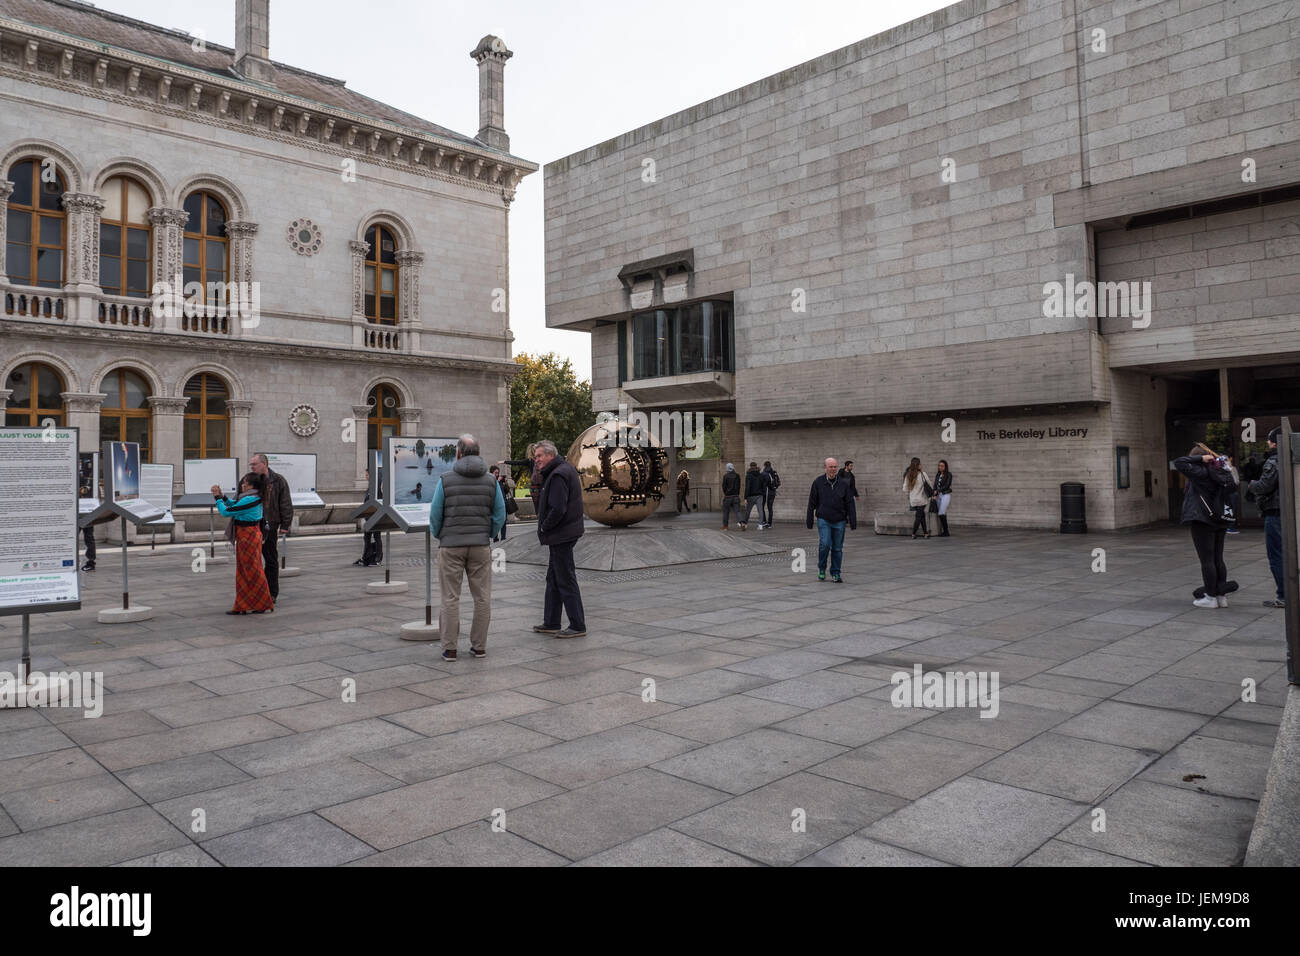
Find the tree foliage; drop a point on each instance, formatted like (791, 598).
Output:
(547, 401)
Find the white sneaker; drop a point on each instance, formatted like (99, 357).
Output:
(1223, 601)
(1207, 601)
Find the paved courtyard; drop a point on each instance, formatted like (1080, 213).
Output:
(771, 738)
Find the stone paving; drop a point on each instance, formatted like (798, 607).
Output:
(772, 709)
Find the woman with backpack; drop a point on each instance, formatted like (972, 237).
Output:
(942, 495)
(1207, 510)
(916, 485)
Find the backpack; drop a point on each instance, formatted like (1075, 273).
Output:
(1218, 505)
(776, 480)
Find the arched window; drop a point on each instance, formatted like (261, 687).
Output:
(125, 415)
(381, 276)
(383, 420)
(125, 238)
(37, 394)
(207, 249)
(207, 423)
(37, 235)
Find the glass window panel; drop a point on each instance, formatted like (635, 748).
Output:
(370, 279)
(110, 274)
(137, 202)
(137, 277)
(372, 436)
(386, 279)
(216, 404)
(110, 240)
(19, 226)
(112, 196)
(216, 439)
(387, 248)
(191, 433)
(387, 307)
(51, 231)
(22, 175)
(216, 218)
(49, 385)
(137, 391)
(370, 304)
(110, 428)
(194, 206)
(370, 241)
(137, 243)
(191, 275)
(191, 252)
(112, 387)
(52, 195)
(137, 430)
(49, 266)
(216, 256)
(20, 381)
(18, 262)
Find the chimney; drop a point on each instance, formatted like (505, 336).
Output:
(252, 40)
(491, 55)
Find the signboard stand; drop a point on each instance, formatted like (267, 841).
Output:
(299, 473)
(213, 557)
(159, 494)
(200, 474)
(285, 570)
(126, 505)
(424, 630)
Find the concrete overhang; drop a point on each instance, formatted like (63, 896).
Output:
(688, 389)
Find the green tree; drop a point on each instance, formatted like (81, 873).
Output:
(547, 401)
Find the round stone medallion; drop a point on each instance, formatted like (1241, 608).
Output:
(303, 421)
(305, 237)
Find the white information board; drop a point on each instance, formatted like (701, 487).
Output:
(202, 473)
(413, 470)
(39, 474)
(299, 473)
(156, 489)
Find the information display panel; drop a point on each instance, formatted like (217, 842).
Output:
(156, 489)
(202, 473)
(39, 472)
(122, 482)
(299, 472)
(414, 466)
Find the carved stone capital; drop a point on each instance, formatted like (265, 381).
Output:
(6, 187)
(241, 230)
(406, 258)
(161, 216)
(82, 202)
(361, 412)
(238, 408)
(87, 402)
(358, 248)
(167, 405)
(409, 413)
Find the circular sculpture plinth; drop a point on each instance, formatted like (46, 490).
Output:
(290, 572)
(118, 615)
(419, 631)
(386, 587)
(623, 472)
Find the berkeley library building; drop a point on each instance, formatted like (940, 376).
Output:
(348, 260)
(1046, 241)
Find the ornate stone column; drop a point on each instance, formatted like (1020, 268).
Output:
(360, 418)
(6, 187)
(168, 232)
(83, 413)
(82, 210)
(408, 281)
(358, 252)
(503, 397)
(169, 435)
(410, 419)
(241, 235)
(239, 410)
(4, 392)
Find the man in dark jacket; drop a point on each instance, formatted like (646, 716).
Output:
(830, 502)
(467, 512)
(755, 494)
(1265, 490)
(559, 526)
(730, 496)
(277, 515)
(773, 483)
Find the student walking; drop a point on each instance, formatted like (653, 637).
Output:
(942, 495)
(853, 480)
(730, 496)
(467, 511)
(252, 594)
(917, 487)
(559, 526)
(683, 489)
(773, 483)
(1209, 487)
(830, 502)
(755, 494)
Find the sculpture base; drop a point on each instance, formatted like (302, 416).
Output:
(630, 549)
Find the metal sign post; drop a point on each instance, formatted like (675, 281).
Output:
(1288, 486)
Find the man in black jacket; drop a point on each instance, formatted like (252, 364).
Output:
(830, 502)
(277, 516)
(559, 526)
(1265, 490)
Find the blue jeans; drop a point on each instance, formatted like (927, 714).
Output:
(1273, 545)
(830, 538)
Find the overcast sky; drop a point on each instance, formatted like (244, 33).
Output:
(583, 72)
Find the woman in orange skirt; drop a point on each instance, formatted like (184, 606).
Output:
(251, 593)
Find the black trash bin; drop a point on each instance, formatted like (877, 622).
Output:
(1074, 515)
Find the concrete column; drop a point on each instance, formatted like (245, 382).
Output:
(410, 419)
(169, 435)
(239, 410)
(360, 417)
(83, 413)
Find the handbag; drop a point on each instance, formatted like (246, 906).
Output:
(934, 507)
(512, 505)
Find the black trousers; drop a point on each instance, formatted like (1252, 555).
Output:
(373, 552)
(271, 558)
(919, 520)
(681, 502)
(768, 501)
(88, 536)
(562, 589)
(1209, 551)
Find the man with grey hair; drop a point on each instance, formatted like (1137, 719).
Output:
(467, 511)
(559, 526)
(277, 516)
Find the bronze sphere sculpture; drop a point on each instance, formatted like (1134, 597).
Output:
(623, 471)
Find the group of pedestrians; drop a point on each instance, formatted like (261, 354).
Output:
(926, 496)
(259, 515)
(760, 486)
